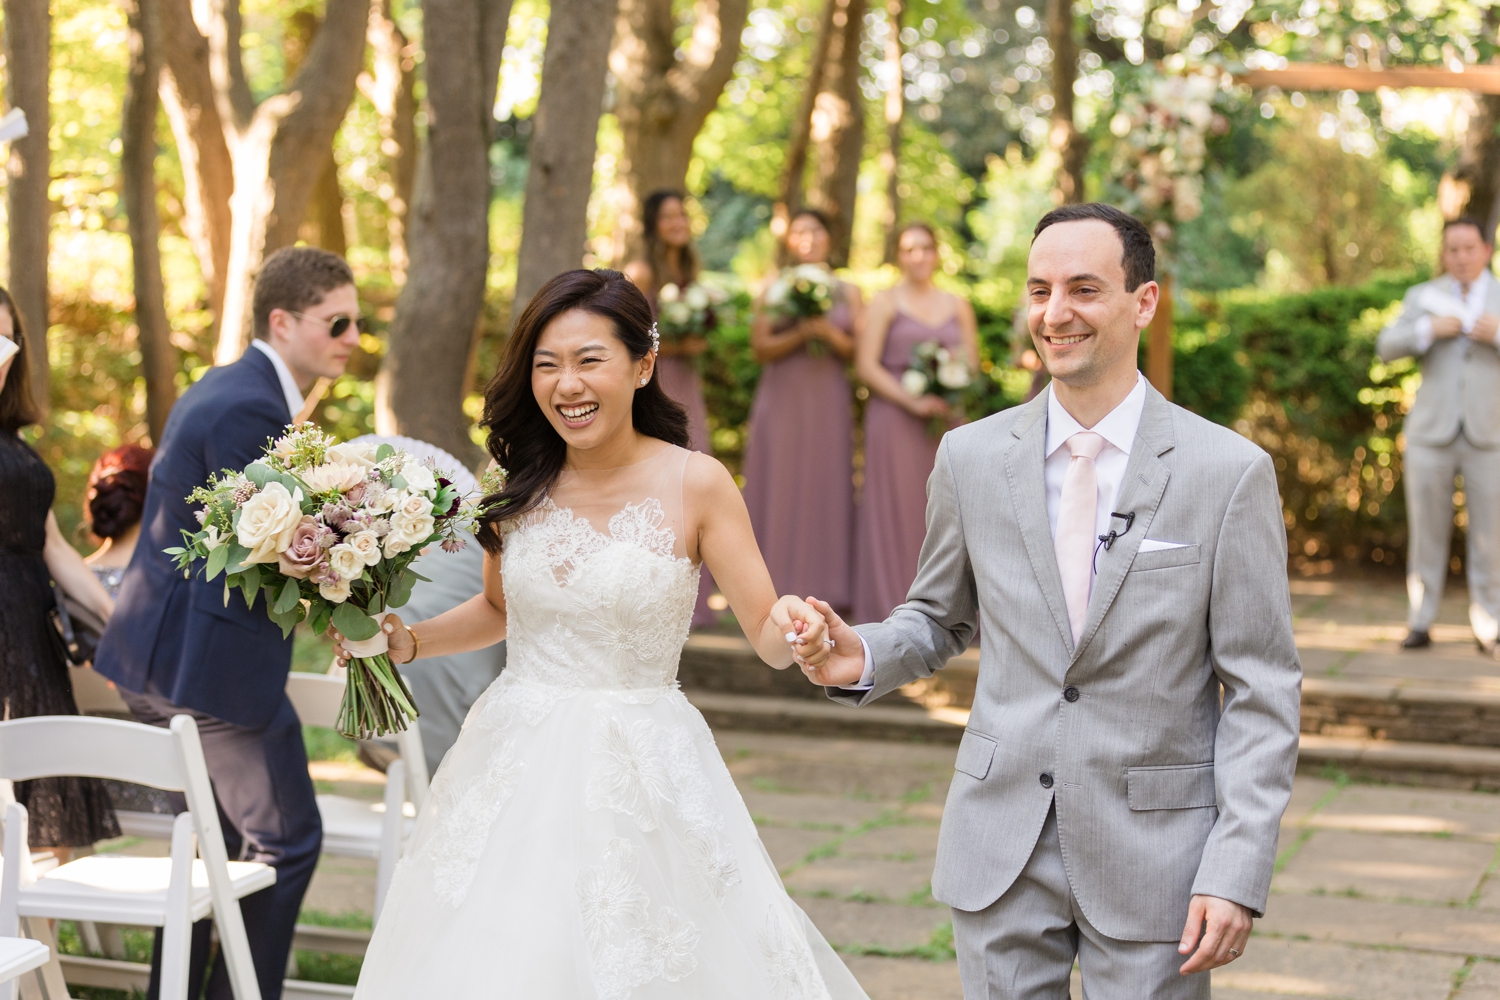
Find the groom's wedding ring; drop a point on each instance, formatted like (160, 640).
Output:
(1234, 952)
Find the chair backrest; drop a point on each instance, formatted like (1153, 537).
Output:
(316, 698)
(47, 746)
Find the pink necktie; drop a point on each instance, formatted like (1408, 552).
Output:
(1076, 516)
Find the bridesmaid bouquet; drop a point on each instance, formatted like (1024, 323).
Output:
(935, 369)
(806, 291)
(693, 311)
(328, 532)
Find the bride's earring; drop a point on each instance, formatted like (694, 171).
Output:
(645, 380)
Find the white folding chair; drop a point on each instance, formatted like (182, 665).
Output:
(19, 956)
(172, 892)
(355, 828)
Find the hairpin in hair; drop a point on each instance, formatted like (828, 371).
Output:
(655, 338)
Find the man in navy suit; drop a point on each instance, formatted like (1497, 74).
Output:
(173, 647)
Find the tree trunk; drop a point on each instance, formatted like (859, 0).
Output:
(794, 170)
(278, 147)
(138, 178)
(28, 47)
(1477, 172)
(554, 223)
(424, 378)
(207, 174)
(1072, 146)
(895, 111)
(391, 87)
(838, 129)
(324, 224)
(663, 98)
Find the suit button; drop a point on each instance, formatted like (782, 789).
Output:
(1046, 780)
(1070, 693)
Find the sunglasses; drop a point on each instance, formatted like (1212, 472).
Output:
(338, 326)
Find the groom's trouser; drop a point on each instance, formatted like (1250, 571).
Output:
(268, 812)
(1022, 946)
(1428, 472)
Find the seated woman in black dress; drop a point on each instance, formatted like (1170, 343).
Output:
(65, 812)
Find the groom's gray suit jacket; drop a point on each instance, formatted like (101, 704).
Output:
(1161, 789)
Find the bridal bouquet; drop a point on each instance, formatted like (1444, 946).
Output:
(806, 291)
(328, 532)
(693, 311)
(935, 369)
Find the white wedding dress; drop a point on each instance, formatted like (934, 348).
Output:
(583, 838)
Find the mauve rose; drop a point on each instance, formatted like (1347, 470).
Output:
(303, 555)
(355, 493)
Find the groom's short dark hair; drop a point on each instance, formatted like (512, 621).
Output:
(1139, 258)
(294, 278)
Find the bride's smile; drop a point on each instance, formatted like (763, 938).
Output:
(585, 381)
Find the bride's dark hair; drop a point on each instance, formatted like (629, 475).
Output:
(521, 439)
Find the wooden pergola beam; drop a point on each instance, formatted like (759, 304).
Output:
(1317, 76)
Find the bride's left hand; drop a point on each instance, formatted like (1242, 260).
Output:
(805, 629)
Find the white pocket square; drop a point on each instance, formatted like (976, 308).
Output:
(1152, 545)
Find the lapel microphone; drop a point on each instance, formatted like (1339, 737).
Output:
(1107, 541)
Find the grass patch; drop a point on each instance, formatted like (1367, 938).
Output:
(311, 654)
(327, 744)
(938, 948)
(322, 967)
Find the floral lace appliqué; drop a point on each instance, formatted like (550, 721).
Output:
(789, 962)
(631, 777)
(627, 948)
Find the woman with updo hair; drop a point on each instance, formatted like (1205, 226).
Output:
(583, 837)
(116, 495)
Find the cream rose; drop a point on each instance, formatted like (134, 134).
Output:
(395, 545)
(335, 477)
(414, 505)
(346, 562)
(360, 453)
(367, 544)
(336, 590)
(418, 477)
(268, 521)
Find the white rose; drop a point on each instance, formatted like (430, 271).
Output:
(418, 477)
(366, 544)
(413, 529)
(360, 453)
(953, 374)
(696, 297)
(668, 293)
(334, 477)
(267, 522)
(414, 505)
(913, 382)
(346, 561)
(395, 545)
(338, 592)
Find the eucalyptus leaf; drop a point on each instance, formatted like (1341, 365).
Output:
(353, 623)
(384, 452)
(259, 473)
(401, 592)
(217, 559)
(398, 482)
(286, 600)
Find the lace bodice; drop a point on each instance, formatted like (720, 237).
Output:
(592, 607)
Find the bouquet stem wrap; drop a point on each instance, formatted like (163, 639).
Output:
(377, 701)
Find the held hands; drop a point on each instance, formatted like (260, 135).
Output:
(398, 638)
(844, 661)
(1218, 929)
(804, 629)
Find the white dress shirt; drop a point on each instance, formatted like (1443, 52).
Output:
(1118, 428)
(289, 388)
(1472, 301)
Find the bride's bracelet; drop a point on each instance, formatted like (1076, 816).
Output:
(416, 643)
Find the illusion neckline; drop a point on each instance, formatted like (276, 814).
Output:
(610, 535)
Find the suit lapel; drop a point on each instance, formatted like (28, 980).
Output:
(1141, 491)
(1028, 497)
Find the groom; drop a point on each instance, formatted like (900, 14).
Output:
(1134, 731)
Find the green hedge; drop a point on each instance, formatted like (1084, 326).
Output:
(1298, 375)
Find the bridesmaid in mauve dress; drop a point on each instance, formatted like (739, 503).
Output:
(799, 462)
(900, 446)
(671, 259)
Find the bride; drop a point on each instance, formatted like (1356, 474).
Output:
(583, 838)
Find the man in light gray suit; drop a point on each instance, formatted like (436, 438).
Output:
(1120, 785)
(1453, 429)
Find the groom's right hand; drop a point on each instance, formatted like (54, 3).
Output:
(846, 663)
